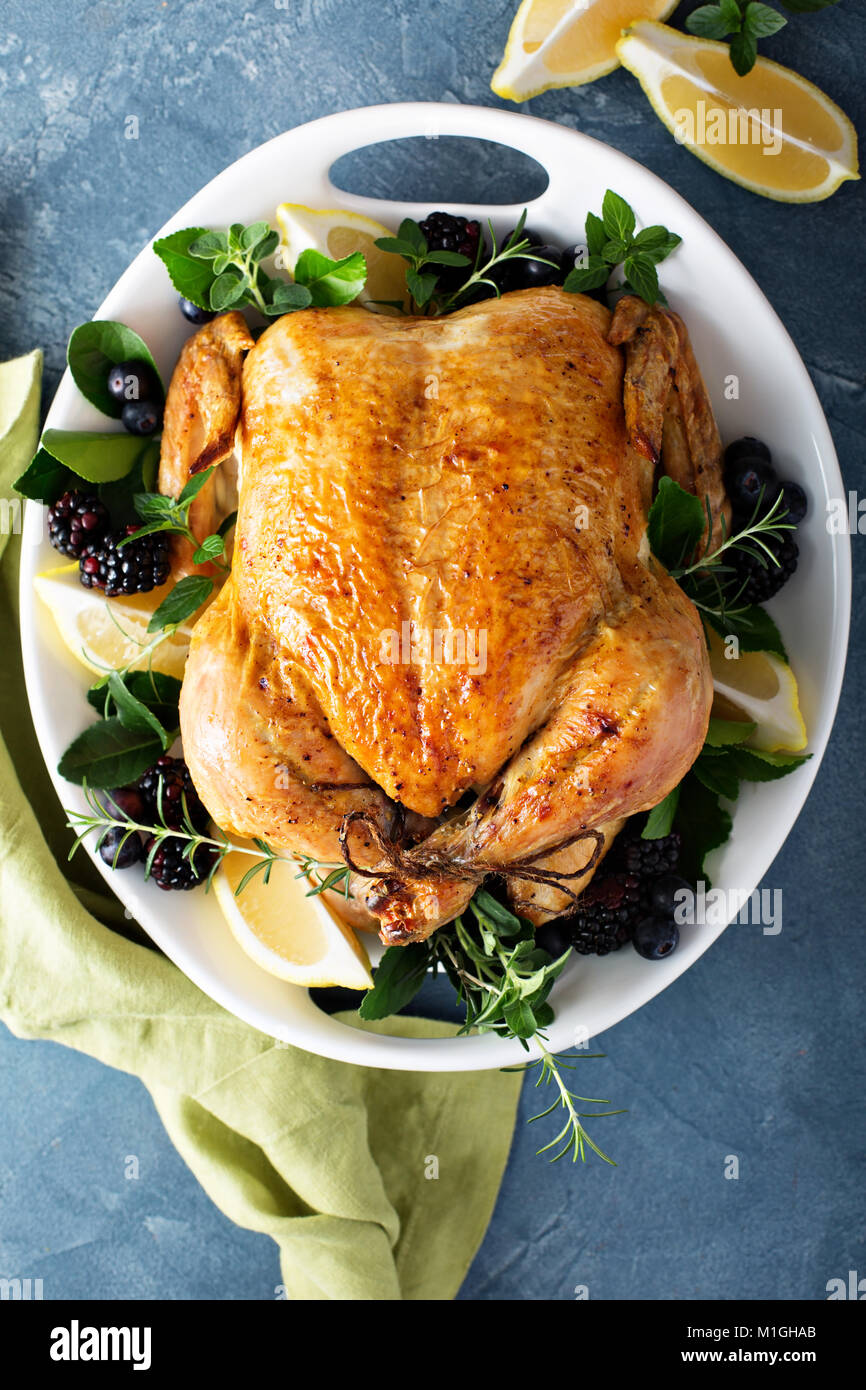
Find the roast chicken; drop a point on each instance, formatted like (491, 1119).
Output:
(444, 649)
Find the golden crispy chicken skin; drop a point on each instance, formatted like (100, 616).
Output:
(442, 593)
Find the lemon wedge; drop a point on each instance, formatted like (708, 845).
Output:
(761, 688)
(770, 131)
(297, 938)
(337, 233)
(109, 633)
(565, 43)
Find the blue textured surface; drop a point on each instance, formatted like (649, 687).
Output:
(756, 1051)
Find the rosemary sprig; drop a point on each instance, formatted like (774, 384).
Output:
(516, 248)
(572, 1136)
(752, 539)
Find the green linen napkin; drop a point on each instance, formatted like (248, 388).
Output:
(330, 1160)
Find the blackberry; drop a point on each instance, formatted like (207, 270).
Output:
(761, 581)
(173, 871)
(444, 232)
(75, 521)
(607, 914)
(176, 781)
(134, 568)
(647, 859)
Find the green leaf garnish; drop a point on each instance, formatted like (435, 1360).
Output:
(611, 241)
(108, 754)
(94, 348)
(186, 598)
(95, 456)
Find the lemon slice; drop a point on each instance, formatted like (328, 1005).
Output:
(770, 131)
(564, 43)
(288, 934)
(337, 233)
(760, 688)
(107, 633)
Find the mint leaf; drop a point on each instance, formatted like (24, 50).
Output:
(641, 274)
(400, 974)
(723, 732)
(595, 234)
(763, 20)
(703, 825)
(186, 598)
(592, 276)
(744, 51)
(754, 765)
(617, 216)
(708, 22)
(676, 523)
(331, 282)
(753, 628)
(661, 818)
(93, 349)
(195, 484)
(44, 479)
(656, 242)
(108, 754)
(397, 247)
(211, 548)
(717, 775)
(190, 277)
(96, 457)
(732, 14)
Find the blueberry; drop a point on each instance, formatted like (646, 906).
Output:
(748, 480)
(141, 417)
(193, 313)
(119, 853)
(795, 502)
(529, 274)
(554, 938)
(747, 447)
(656, 937)
(131, 381)
(663, 892)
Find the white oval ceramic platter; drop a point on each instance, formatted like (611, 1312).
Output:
(735, 331)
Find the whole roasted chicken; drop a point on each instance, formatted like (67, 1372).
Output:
(444, 649)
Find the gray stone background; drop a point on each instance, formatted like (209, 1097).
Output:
(756, 1051)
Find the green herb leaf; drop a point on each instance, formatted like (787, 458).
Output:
(753, 628)
(94, 348)
(119, 496)
(190, 276)
(744, 51)
(227, 289)
(398, 978)
(703, 825)
(211, 548)
(134, 715)
(409, 231)
(160, 693)
(44, 479)
(724, 732)
(331, 282)
(186, 598)
(446, 258)
(226, 524)
(661, 818)
(676, 523)
(592, 276)
(97, 457)
(641, 275)
(656, 242)
(708, 22)
(420, 287)
(108, 754)
(732, 13)
(193, 487)
(763, 20)
(617, 216)
(595, 234)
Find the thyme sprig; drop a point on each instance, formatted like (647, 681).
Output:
(573, 1137)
